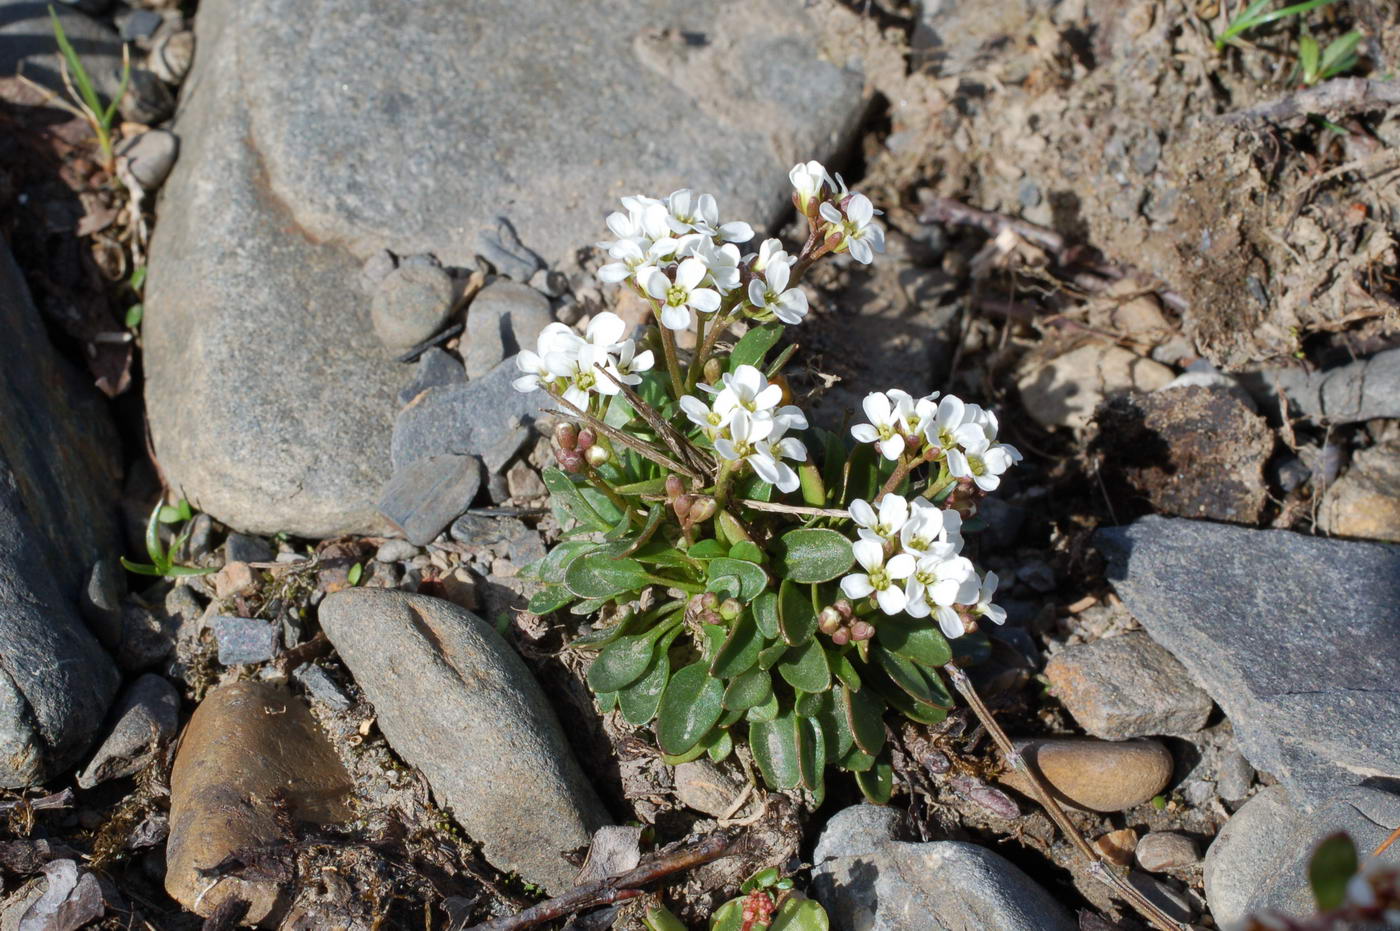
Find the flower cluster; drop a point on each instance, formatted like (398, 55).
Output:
(910, 552)
(567, 363)
(746, 421)
(962, 436)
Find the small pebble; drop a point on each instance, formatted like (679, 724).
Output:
(1162, 851)
(244, 640)
(138, 24)
(375, 269)
(396, 551)
(410, 305)
(146, 716)
(424, 498)
(150, 156)
(524, 482)
(1099, 775)
(435, 367)
(1117, 846)
(503, 249)
(172, 56)
(320, 686)
(1234, 776)
(147, 99)
(242, 547)
(233, 579)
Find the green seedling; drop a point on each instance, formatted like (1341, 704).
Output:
(86, 103)
(1258, 14)
(162, 562)
(1317, 64)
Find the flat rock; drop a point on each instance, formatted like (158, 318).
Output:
(431, 669)
(1127, 686)
(1162, 851)
(58, 516)
(145, 716)
(1190, 451)
(1295, 637)
(271, 398)
(434, 367)
(1366, 389)
(503, 319)
(244, 640)
(250, 757)
(1065, 391)
(484, 417)
(1365, 501)
(1095, 774)
(871, 881)
(27, 45)
(425, 496)
(1258, 862)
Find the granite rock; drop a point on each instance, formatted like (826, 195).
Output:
(1127, 686)
(271, 399)
(431, 668)
(1295, 637)
(1365, 501)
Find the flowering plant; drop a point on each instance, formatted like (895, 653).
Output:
(751, 575)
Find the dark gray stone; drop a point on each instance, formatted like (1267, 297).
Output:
(150, 156)
(145, 716)
(244, 640)
(431, 668)
(502, 248)
(865, 879)
(435, 367)
(425, 496)
(101, 600)
(147, 99)
(271, 399)
(27, 46)
(148, 636)
(1362, 390)
(138, 24)
(410, 305)
(242, 547)
(502, 320)
(485, 417)
(58, 516)
(1296, 638)
(321, 687)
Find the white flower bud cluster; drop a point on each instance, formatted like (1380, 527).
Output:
(964, 435)
(746, 421)
(567, 363)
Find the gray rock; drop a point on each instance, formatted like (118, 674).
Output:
(1365, 501)
(1295, 637)
(147, 99)
(1361, 390)
(424, 497)
(58, 516)
(148, 636)
(856, 831)
(502, 248)
(320, 686)
(244, 640)
(271, 399)
(502, 320)
(1127, 686)
(410, 305)
(431, 668)
(375, 269)
(138, 24)
(150, 156)
(172, 56)
(396, 551)
(145, 716)
(242, 547)
(1174, 903)
(1234, 776)
(72, 898)
(485, 417)
(435, 367)
(101, 600)
(885, 885)
(27, 46)
(1259, 859)
(1161, 851)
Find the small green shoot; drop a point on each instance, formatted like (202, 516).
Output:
(1258, 14)
(88, 105)
(1332, 866)
(1316, 64)
(356, 572)
(1159, 802)
(162, 562)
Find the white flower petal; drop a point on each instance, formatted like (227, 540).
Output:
(857, 585)
(891, 600)
(869, 554)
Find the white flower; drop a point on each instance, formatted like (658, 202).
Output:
(555, 340)
(936, 585)
(978, 458)
(630, 259)
(629, 363)
(914, 413)
(679, 297)
(711, 421)
(860, 234)
(770, 253)
(580, 375)
(884, 427)
(536, 372)
(952, 413)
(931, 529)
(769, 453)
(808, 179)
(722, 261)
(744, 431)
(879, 578)
(885, 526)
(691, 212)
(770, 294)
(983, 607)
(747, 388)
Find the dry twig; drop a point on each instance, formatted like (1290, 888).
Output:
(1334, 98)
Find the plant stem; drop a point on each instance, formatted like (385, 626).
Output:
(597, 482)
(673, 366)
(726, 473)
(895, 478)
(1015, 760)
(723, 318)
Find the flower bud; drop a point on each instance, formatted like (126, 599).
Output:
(682, 505)
(860, 630)
(829, 621)
(566, 435)
(710, 600)
(596, 455)
(586, 438)
(730, 608)
(711, 617)
(844, 606)
(714, 371)
(570, 460)
(674, 487)
(703, 509)
(841, 637)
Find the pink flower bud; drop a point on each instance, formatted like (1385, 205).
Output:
(674, 487)
(860, 630)
(682, 505)
(730, 608)
(829, 621)
(586, 438)
(570, 460)
(710, 600)
(841, 637)
(566, 436)
(703, 509)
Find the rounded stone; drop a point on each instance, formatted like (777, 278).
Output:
(1163, 851)
(411, 303)
(1099, 775)
(150, 156)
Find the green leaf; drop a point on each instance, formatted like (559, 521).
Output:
(551, 569)
(661, 554)
(729, 917)
(856, 760)
(600, 575)
(1308, 53)
(861, 475)
(754, 345)
(811, 752)
(1332, 865)
(770, 654)
(843, 669)
(607, 701)
(659, 918)
(912, 679)
(640, 700)
(815, 555)
(725, 586)
(747, 551)
(134, 315)
(623, 661)
(740, 650)
(566, 495)
(138, 278)
(153, 547)
(865, 714)
(917, 640)
(753, 488)
(676, 759)
(774, 745)
(800, 914)
(690, 706)
(877, 782)
(796, 619)
(76, 70)
(548, 599)
(760, 880)
(765, 613)
(766, 711)
(707, 549)
(748, 690)
(180, 572)
(804, 667)
(139, 568)
(1340, 55)
(619, 413)
(972, 649)
(356, 573)
(752, 579)
(722, 747)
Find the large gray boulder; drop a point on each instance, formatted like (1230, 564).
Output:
(58, 493)
(313, 137)
(1297, 639)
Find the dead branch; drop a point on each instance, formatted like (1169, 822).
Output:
(618, 888)
(947, 210)
(62, 799)
(1334, 98)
